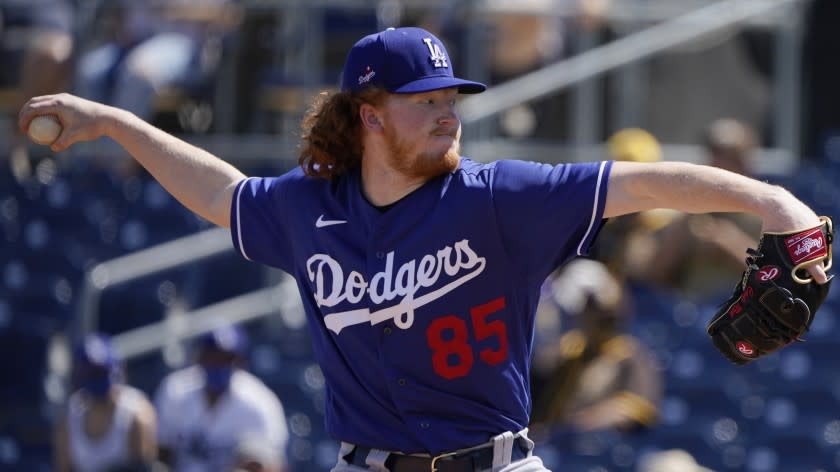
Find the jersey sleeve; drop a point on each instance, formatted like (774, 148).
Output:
(549, 214)
(258, 221)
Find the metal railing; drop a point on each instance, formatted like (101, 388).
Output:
(669, 34)
(165, 256)
(635, 47)
(173, 329)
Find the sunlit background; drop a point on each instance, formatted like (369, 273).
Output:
(92, 243)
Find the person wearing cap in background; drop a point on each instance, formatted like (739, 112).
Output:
(596, 377)
(419, 269)
(623, 240)
(207, 409)
(109, 426)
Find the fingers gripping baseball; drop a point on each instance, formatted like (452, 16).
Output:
(61, 120)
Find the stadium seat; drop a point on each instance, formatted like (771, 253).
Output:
(216, 284)
(789, 453)
(22, 381)
(133, 305)
(146, 372)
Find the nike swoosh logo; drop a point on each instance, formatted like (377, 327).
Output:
(322, 223)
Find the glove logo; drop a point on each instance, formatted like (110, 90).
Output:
(745, 349)
(767, 273)
(806, 246)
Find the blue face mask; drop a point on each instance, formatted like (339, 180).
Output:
(217, 379)
(97, 386)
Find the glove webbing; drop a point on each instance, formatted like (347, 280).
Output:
(777, 330)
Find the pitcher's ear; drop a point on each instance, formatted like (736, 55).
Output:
(370, 117)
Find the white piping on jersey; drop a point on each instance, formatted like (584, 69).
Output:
(594, 208)
(405, 281)
(239, 220)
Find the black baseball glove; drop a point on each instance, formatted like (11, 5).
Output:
(776, 300)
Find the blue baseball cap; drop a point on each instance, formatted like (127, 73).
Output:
(402, 60)
(226, 338)
(96, 351)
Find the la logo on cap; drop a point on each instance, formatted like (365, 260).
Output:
(437, 56)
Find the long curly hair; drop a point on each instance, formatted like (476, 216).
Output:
(331, 132)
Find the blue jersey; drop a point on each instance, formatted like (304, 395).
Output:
(422, 316)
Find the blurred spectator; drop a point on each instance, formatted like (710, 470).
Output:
(634, 145)
(729, 144)
(624, 242)
(595, 377)
(672, 460)
(208, 410)
(37, 46)
(109, 426)
(700, 255)
(255, 453)
(150, 47)
(531, 34)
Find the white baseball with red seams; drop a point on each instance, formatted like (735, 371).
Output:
(44, 129)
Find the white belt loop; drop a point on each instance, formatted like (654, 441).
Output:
(375, 460)
(524, 436)
(502, 450)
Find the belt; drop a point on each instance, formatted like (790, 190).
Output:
(469, 461)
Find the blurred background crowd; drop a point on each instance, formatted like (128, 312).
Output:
(124, 318)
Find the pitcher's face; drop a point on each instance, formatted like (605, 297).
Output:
(423, 132)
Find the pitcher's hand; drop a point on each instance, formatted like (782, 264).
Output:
(81, 120)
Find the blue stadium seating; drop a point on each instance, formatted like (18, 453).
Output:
(789, 453)
(130, 306)
(24, 380)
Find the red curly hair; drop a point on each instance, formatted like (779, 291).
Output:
(331, 132)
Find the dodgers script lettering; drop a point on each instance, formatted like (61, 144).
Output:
(458, 262)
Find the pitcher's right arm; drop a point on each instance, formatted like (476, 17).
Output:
(199, 180)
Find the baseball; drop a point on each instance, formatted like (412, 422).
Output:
(44, 129)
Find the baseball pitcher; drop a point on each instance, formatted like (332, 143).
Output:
(420, 269)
